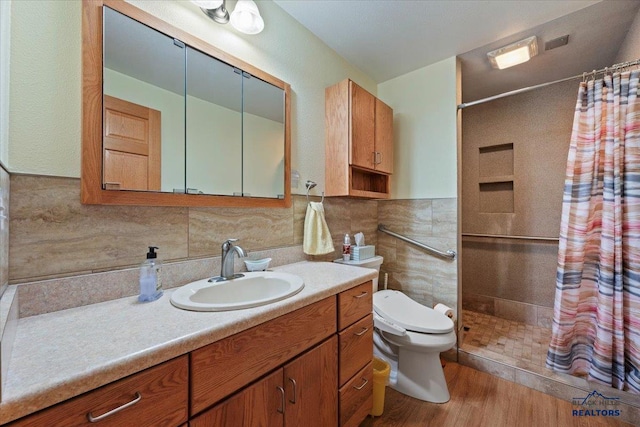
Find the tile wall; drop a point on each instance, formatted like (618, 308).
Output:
(4, 229)
(530, 314)
(8, 298)
(427, 279)
(54, 235)
(61, 247)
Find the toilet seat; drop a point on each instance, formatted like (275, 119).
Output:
(407, 313)
(422, 343)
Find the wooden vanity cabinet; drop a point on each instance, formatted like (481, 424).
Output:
(224, 367)
(299, 394)
(260, 404)
(329, 384)
(355, 323)
(309, 367)
(154, 397)
(358, 142)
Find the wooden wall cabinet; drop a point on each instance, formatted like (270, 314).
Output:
(358, 142)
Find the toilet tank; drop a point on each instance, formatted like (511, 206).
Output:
(374, 263)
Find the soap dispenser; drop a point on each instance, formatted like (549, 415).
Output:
(150, 286)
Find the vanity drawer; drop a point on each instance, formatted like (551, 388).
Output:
(356, 348)
(356, 398)
(224, 367)
(160, 395)
(354, 304)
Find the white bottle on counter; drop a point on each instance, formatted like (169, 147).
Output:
(346, 248)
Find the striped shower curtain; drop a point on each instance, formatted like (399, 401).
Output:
(596, 322)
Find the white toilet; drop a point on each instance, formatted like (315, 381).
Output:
(410, 337)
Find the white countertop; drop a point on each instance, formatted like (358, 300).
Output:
(62, 354)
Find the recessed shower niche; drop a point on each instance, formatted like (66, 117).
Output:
(495, 178)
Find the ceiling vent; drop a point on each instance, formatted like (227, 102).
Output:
(557, 42)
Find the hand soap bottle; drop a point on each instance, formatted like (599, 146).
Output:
(150, 286)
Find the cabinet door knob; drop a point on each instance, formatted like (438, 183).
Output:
(366, 381)
(135, 400)
(377, 157)
(295, 390)
(282, 399)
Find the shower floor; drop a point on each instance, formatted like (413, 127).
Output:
(517, 352)
(505, 338)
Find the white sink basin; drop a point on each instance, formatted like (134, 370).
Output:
(252, 290)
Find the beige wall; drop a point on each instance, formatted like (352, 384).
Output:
(424, 122)
(5, 39)
(538, 124)
(45, 87)
(630, 49)
(45, 79)
(424, 184)
(53, 235)
(5, 73)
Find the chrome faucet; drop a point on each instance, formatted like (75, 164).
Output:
(228, 250)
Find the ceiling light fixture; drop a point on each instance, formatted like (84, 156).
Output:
(244, 18)
(514, 54)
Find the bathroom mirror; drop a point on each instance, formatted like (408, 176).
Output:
(144, 76)
(169, 120)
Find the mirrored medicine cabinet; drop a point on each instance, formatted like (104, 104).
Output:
(169, 120)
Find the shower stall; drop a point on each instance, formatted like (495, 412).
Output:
(513, 162)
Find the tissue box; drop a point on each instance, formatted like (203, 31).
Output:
(359, 253)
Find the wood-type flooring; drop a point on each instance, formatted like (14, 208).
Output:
(482, 400)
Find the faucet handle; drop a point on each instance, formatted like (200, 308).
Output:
(227, 243)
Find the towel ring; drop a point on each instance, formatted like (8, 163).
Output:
(310, 184)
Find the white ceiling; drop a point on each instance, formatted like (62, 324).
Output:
(386, 39)
(595, 35)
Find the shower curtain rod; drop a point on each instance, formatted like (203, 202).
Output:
(541, 85)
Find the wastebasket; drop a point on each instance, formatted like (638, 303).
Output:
(381, 371)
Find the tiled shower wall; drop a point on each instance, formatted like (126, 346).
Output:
(522, 140)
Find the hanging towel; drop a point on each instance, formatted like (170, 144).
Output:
(317, 238)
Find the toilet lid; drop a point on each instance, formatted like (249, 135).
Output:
(403, 311)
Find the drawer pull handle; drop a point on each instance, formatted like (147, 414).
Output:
(363, 294)
(282, 399)
(363, 384)
(361, 333)
(93, 419)
(295, 390)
